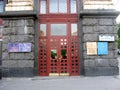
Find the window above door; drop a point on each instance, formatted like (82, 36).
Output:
(58, 6)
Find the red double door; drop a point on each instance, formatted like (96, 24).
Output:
(59, 59)
(59, 55)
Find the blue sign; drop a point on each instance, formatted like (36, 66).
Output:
(13, 47)
(19, 47)
(102, 48)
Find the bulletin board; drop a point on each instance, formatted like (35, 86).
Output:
(102, 48)
(19, 47)
(91, 48)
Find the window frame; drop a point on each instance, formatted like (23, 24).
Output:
(68, 7)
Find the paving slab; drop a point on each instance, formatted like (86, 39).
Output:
(61, 83)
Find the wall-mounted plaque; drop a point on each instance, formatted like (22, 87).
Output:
(102, 48)
(19, 47)
(106, 38)
(91, 48)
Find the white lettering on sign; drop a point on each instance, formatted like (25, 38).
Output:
(106, 38)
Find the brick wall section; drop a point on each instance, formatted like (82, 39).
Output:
(18, 64)
(104, 64)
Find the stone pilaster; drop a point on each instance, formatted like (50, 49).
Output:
(18, 31)
(92, 27)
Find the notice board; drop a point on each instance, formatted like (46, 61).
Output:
(102, 48)
(19, 47)
(91, 48)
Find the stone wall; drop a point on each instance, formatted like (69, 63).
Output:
(99, 64)
(18, 30)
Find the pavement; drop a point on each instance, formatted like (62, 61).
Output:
(61, 83)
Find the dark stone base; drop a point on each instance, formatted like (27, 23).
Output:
(0, 74)
(17, 72)
(101, 71)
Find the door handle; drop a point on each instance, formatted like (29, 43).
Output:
(60, 59)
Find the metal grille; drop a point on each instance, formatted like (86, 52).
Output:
(64, 61)
(75, 63)
(53, 61)
(42, 57)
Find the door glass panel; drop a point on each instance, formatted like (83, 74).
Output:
(43, 7)
(63, 6)
(73, 8)
(53, 6)
(53, 54)
(64, 54)
(74, 29)
(42, 29)
(58, 29)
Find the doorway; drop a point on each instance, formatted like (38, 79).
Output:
(59, 51)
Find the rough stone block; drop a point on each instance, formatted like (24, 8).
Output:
(13, 38)
(105, 22)
(114, 22)
(30, 22)
(115, 29)
(5, 56)
(19, 30)
(29, 56)
(90, 37)
(113, 62)
(102, 62)
(95, 29)
(21, 72)
(105, 29)
(19, 56)
(6, 23)
(12, 56)
(32, 47)
(25, 63)
(89, 63)
(29, 38)
(17, 22)
(87, 29)
(101, 71)
(6, 31)
(4, 47)
(5, 72)
(30, 30)
(6, 39)
(112, 46)
(20, 38)
(9, 64)
(90, 21)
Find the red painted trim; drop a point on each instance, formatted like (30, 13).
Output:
(58, 18)
(68, 7)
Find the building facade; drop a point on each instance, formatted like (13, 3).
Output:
(58, 38)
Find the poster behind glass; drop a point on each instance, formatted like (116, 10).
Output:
(19, 47)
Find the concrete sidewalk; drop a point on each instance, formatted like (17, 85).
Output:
(61, 83)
